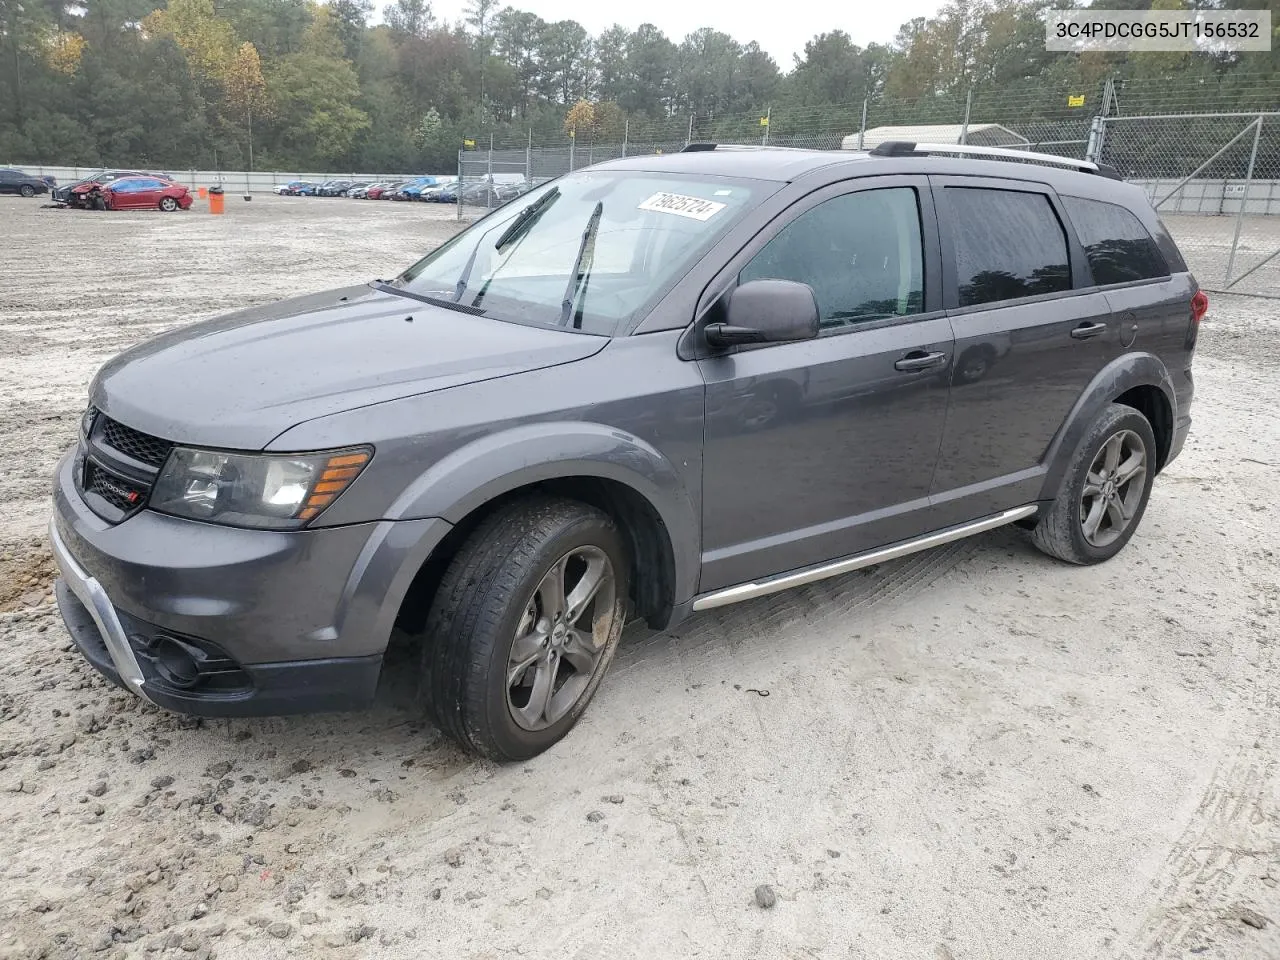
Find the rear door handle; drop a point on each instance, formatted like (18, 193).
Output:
(1087, 330)
(919, 360)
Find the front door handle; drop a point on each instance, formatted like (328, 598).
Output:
(919, 360)
(1087, 330)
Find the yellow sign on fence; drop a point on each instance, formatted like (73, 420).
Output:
(1075, 101)
(468, 144)
(764, 121)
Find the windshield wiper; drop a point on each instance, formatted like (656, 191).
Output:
(427, 298)
(525, 219)
(581, 271)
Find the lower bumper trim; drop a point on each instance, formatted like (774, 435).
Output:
(277, 689)
(90, 593)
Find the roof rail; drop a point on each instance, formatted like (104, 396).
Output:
(906, 148)
(703, 147)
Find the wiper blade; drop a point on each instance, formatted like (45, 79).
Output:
(581, 271)
(527, 217)
(425, 298)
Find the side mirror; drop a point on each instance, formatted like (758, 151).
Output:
(767, 311)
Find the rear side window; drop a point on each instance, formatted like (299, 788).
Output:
(860, 253)
(1008, 244)
(1119, 248)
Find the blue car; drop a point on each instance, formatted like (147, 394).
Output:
(413, 189)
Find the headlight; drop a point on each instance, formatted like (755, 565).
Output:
(280, 492)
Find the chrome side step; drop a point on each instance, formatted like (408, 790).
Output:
(749, 591)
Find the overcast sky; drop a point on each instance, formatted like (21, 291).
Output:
(781, 29)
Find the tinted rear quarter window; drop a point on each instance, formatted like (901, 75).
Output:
(1119, 248)
(1008, 244)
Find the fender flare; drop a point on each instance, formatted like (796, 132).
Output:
(1120, 375)
(498, 463)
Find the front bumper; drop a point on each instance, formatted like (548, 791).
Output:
(285, 622)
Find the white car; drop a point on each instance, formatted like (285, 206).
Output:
(280, 189)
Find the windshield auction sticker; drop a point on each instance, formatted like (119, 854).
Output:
(695, 208)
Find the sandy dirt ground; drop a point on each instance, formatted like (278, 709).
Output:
(972, 753)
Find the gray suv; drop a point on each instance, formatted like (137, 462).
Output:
(655, 386)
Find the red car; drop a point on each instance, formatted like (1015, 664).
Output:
(145, 193)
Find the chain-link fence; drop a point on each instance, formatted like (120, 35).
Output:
(1213, 177)
(1215, 181)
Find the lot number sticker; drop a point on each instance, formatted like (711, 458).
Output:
(695, 208)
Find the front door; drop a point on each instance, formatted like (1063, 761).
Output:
(823, 448)
(1030, 335)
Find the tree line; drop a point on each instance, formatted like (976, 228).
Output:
(294, 84)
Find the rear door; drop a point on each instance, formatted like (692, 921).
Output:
(819, 449)
(1030, 334)
(9, 180)
(149, 193)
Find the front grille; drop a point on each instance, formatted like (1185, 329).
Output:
(120, 464)
(134, 443)
(120, 493)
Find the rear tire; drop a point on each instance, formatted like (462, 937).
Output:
(507, 668)
(1104, 492)
(27, 190)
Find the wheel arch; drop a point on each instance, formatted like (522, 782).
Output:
(602, 466)
(1138, 380)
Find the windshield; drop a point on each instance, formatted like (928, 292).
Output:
(590, 251)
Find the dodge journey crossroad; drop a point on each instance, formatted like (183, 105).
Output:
(651, 387)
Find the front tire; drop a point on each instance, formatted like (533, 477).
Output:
(1104, 492)
(168, 204)
(524, 624)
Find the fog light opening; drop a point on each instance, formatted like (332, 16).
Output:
(174, 662)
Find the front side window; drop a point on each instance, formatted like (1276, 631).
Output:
(861, 253)
(590, 251)
(1008, 244)
(1117, 245)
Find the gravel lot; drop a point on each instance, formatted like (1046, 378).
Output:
(971, 753)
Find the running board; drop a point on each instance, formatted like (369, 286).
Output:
(749, 591)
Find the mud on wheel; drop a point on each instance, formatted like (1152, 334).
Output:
(1105, 490)
(524, 625)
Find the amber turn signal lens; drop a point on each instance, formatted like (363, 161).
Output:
(338, 473)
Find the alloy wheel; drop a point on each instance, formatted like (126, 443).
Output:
(561, 637)
(1113, 488)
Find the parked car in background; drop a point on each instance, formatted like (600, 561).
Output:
(304, 188)
(431, 194)
(23, 184)
(333, 188)
(447, 194)
(487, 194)
(378, 191)
(287, 189)
(356, 191)
(145, 193)
(66, 193)
(413, 190)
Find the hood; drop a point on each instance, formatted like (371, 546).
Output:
(241, 380)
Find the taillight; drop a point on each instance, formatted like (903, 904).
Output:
(1199, 306)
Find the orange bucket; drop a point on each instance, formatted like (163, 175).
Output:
(202, 192)
(215, 202)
